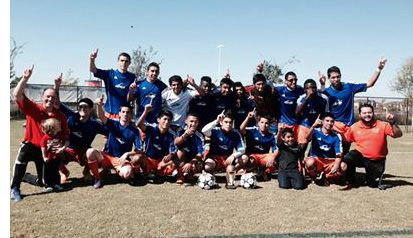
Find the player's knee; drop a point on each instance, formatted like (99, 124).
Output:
(125, 172)
(230, 169)
(343, 166)
(309, 162)
(209, 166)
(92, 155)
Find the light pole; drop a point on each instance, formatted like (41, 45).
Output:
(219, 61)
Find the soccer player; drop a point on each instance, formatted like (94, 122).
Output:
(202, 105)
(224, 99)
(224, 140)
(30, 146)
(370, 138)
(148, 91)
(190, 145)
(341, 97)
(83, 130)
(309, 106)
(326, 152)
(160, 150)
(243, 105)
(117, 82)
(118, 151)
(176, 99)
(260, 143)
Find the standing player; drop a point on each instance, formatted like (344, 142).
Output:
(223, 99)
(148, 91)
(176, 99)
(370, 138)
(224, 141)
(117, 82)
(243, 105)
(326, 152)
(118, 152)
(83, 130)
(160, 150)
(341, 97)
(259, 143)
(309, 106)
(30, 146)
(190, 145)
(202, 104)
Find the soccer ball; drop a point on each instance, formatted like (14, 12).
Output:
(248, 181)
(206, 181)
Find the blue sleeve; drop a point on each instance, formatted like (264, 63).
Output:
(273, 144)
(111, 124)
(239, 143)
(138, 142)
(102, 74)
(66, 110)
(137, 91)
(358, 87)
(338, 145)
(101, 128)
(199, 146)
(172, 146)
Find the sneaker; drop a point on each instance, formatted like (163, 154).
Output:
(48, 190)
(230, 186)
(98, 184)
(86, 175)
(15, 195)
(348, 186)
(58, 187)
(174, 173)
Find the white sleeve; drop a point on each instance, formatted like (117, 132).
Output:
(208, 127)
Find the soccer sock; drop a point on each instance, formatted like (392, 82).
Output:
(94, 168)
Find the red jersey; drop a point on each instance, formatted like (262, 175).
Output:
(370, 141)
(35, 114)
(51, 144)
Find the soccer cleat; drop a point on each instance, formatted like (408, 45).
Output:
(48, 190)
(58, 188)
(98, 184)
(15, 195)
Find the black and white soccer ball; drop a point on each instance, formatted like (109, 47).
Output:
(248, 181)
(206, 181)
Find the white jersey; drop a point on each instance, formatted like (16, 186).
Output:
(178, 104)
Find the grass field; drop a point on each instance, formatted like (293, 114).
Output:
(169, 210)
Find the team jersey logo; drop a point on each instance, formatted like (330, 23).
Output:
(120, 86)
(259, 147)
(312, 111)
(224, 147)
(257, 139)
(201, 104)
(338, 102)
(221, 139)
(325, 147)
(158, 147)
(120, 140)
(115, 77)
(77, 133)
(288, 102)
(376, 130)
(177, 104)
(143, 88)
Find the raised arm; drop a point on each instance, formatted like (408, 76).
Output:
(322, 79)
(56, 86)
(191, 81)
(132, 89)
(318, 122)
(397, 132)
(101, 111)
(376, 74)
(244, 124)
(18, 92)
(93, 56)
(208, 127)
(180, 139)
(302, 106)
(141, 122)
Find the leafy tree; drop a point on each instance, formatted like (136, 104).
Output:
(14, 51)
(140, 59)
(403, 83)
(273, 72)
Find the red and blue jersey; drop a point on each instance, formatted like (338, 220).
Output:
(144, 93)
(257, 143)
(288, 103)
(193, 145)
(325, 146)
(82, 134)
(158, 145)
(341, 101)
(121, 139)
(117, 88)
(224, 143)
(315, 106)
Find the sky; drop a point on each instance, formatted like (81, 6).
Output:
(353, 35)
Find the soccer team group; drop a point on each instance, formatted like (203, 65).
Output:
(180, 131)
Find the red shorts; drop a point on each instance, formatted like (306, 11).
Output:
(220, 161)
(261, 160)
(109, 161)
(324, 165)
(295, 129)
(75, 155)
(302, 134)
(153, 164)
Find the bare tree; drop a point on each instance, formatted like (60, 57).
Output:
(273, 72)
(14, 51)
(140, 59)
(69, 79)
(403, 82)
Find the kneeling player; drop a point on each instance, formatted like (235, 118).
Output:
(190, 145)
(325, 157)
(259, 141)
(118, 150)
(160, 150)
(221, 155)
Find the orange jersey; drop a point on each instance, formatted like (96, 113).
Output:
(371, 142)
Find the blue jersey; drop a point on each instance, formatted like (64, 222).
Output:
(193, 145)
(117, 88)
(121, 139)
(144, 93)
(258, 143)
(325, 146)
(221, 103)
(315, 106)
(342, 101)
(241, 111)
(288, 103)
(158, 145)
(225, 143)
(203, 107)
(82, 134)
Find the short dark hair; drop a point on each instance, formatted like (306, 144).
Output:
(124, 54)
(327, 114)
(166, 113)
(228, 113)
(176, 78)
(286, 130)
(194, 114)
(226, 81)
(206, 79)
(88, 101)
(152, 64)
(128, 106)
(258, 78)
(333, 69)
(238, 84)
(290, 73)
(310, 81)
(366, 105)
(268, 117)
